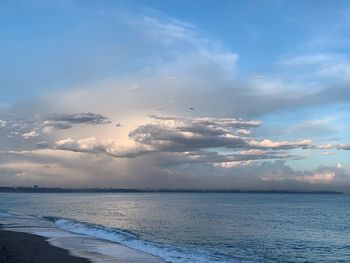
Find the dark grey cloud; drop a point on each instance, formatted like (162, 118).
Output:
(343, 147)
(58, 125)
(78, 118)
(188, 134)
(173, 139)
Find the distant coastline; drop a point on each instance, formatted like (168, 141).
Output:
(151, 190)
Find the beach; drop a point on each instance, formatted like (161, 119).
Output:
(17, 247)
(30, 239)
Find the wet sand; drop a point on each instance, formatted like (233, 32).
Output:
(17, 247)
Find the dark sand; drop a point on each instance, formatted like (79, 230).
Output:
(16, 247)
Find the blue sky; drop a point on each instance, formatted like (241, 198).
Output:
(261, 32)
(69, 66)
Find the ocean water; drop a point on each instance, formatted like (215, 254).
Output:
(189, 227)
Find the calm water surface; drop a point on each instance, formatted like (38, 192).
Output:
(203, 227)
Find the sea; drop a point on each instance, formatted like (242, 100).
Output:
(186, 227)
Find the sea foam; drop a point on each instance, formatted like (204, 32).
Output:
(169, 253)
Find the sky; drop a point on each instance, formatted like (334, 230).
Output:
(175, 94)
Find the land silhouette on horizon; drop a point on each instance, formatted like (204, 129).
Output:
(37, 189)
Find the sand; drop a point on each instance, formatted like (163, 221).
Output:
(17, 247)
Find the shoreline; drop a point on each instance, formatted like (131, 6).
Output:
(19, 247)
(25, 241)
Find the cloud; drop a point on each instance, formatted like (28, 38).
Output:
(167, 138)
(187, 134)
(2, 124)
(327, 153)
(279, 174)
(44, 125)
(173, 61)
(172, 141)
(242, 132)
(162, 157)
(316, 178)
(57, 125)
(31, 134)
(66, 121)
(343, 147)
(281, 145)
(210, 122)
(92, 145)
(339, 166)
(79, 118)
(66, 168)
(217, 160)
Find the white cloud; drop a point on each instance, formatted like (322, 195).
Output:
(268, 144)
(108, 147)
(2, 124)
(316, 178)
(322, 178)
(31, 134)
(339, 166)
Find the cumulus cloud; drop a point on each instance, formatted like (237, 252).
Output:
(279, 174)
(92, 145)
(186, 134)
(179, 140)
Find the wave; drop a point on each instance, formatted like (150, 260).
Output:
(169, 253)
(5, 214)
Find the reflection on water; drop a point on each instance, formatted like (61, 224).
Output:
(209, 227)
